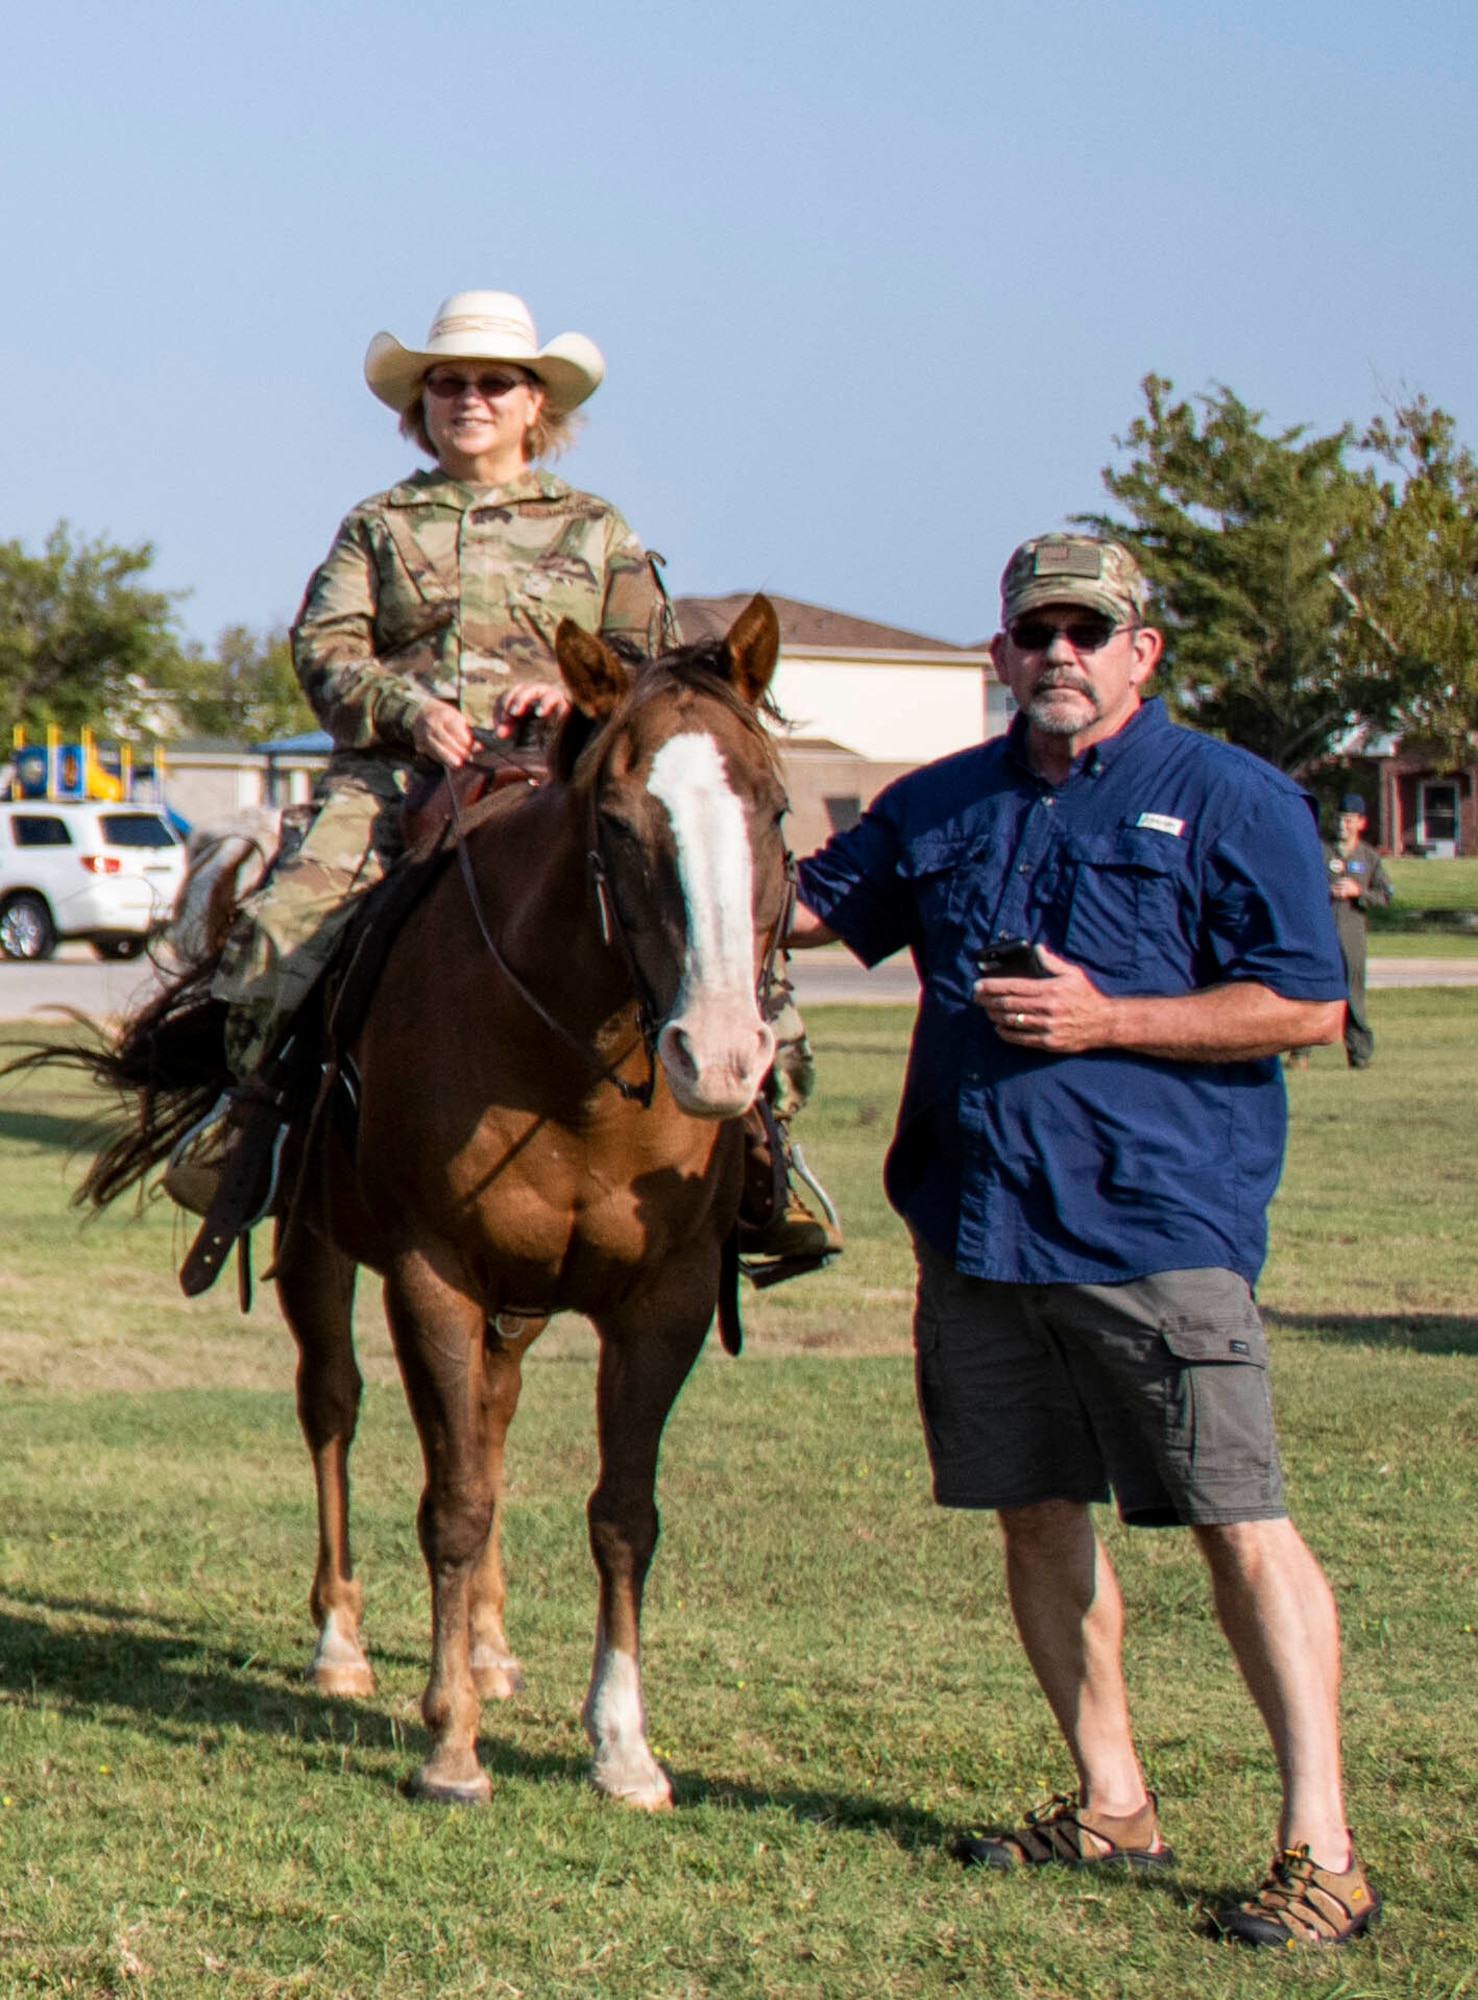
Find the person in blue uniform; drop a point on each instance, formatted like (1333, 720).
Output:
(1089, 1137)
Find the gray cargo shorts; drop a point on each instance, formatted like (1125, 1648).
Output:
(1156, 1389)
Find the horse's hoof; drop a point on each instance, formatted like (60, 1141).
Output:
(496, 1676)
(425, 1785)
(643, 1791)
(353, 1680)
(652, 1802)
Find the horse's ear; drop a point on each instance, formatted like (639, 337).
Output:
(595, 677)
(753, 647)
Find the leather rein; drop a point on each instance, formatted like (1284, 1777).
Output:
(612, 931)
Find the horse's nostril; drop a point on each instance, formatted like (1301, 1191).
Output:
(678, 1048)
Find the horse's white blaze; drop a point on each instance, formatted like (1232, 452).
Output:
(715, 1047)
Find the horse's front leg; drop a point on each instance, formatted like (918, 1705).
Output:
(315, 1285)
(438, 1332)
(645, 1357)
(495, 1671)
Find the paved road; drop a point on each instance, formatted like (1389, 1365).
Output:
(74, 978)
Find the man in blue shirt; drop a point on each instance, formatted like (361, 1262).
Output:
(1118, 925)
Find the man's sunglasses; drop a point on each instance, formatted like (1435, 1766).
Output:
(489, 387)
(1084, 635)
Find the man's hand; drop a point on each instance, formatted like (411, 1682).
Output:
(1064, 1013)
(443, 732)
(1345, 890)
(545, 700)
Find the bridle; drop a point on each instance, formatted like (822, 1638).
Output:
(770, 984)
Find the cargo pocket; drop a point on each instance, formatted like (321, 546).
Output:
(1218, 1405)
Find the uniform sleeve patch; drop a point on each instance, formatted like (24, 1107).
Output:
(1161, 823)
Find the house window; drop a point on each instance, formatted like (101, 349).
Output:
(842, 814)
(1437, 831)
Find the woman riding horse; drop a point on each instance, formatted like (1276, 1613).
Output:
(434, 612)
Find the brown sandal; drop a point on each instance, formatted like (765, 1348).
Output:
(1071, 1836)
(1301, 1903)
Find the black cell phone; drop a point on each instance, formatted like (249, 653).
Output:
(1011, 958)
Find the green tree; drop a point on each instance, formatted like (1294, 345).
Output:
(1413, 583)
(1246, 535)
(82, 640)
(246, 689)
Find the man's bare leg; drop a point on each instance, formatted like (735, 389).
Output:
(1278, 1614)
(1066, 1602)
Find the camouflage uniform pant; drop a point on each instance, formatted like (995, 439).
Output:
(285, 935)
(792, 1075)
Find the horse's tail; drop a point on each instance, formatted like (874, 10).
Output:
(167, 1066)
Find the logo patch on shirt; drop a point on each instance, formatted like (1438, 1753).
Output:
(1161, 823)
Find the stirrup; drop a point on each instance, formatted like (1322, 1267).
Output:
(794, 1241)
(250, 1174)
(192, 1184)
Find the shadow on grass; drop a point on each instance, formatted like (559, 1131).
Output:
(178, 1680)
(175, 1681)
(1419, 1333)
(43, 1128)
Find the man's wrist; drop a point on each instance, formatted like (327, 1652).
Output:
(1115, 1018)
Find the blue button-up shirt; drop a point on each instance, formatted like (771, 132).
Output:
(1164, 862)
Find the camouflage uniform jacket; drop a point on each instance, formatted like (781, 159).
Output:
(439, 590)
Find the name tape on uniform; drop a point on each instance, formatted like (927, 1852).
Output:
(1161, 823)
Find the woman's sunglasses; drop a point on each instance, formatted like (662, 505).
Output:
(489, 387)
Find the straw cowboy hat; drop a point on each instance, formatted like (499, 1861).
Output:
(486, 326)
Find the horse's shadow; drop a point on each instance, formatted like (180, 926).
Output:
(176, 1681)
(1419, 1332)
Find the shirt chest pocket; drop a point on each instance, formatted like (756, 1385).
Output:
(1123, 898)
(944, 874)
(558, 583)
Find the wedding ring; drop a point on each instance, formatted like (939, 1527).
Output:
(1021, 1020)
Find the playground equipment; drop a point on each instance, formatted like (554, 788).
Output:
(85, 769)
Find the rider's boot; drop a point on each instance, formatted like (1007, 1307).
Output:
(228, 1172)
(796, 1231)
(776, 1222)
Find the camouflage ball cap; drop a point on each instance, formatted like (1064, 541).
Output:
(1074, 569)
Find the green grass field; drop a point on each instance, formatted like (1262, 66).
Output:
(1429, 943)
(1435, 885)
(830, 1669)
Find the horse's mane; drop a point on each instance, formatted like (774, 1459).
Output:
(704, 666)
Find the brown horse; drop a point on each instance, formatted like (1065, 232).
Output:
(550, 1075)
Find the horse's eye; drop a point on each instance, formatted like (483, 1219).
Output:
(619, 830)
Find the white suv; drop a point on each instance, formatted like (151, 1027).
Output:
(105, 873)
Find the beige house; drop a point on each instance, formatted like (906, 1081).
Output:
(863, 703)
(208, 779)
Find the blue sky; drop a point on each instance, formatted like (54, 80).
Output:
(876, 286)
